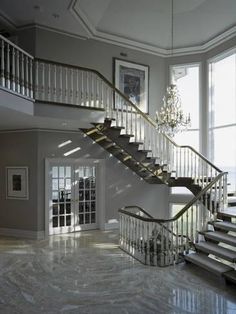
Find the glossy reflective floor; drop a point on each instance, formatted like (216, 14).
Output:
(87, 273)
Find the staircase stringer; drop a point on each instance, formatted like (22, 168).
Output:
(155, 173)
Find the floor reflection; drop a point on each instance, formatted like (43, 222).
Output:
(86, 272)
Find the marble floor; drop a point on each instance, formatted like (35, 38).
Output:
(86, 272)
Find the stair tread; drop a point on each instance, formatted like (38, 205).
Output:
(221, 237)
(225, 225)
(228, 212)
(208, 263)
(216, 250)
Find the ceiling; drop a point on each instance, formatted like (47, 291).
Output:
(140, 24)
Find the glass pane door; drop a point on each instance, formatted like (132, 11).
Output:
(85, 204)
(72, 203)
(60, 208)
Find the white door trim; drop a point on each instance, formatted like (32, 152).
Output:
(100, 169)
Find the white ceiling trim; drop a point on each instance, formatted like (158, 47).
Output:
(51, 29)
(142, 46)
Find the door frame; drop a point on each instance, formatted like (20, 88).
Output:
(100, 186)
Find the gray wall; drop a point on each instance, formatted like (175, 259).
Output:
(31, 148)
(19, 149)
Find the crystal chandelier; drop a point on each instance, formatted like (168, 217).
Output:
(171, 119)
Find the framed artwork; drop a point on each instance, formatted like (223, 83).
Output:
(17, 183)
(132, 79)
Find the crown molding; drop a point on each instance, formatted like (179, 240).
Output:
(51, 29)
(93, 33)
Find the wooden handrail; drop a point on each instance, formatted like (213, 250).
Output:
(181, 212)
(145, 116)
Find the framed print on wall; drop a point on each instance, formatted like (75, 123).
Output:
(132, 80)
(17, 183)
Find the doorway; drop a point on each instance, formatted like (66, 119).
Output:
(72, 199)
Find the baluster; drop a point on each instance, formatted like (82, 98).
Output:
(82, 89)
(195, 168)
(225, 190)
(191, 225)
(128, 234)
(162, 256)
(177, 174)
(22, 78)
(71, 86)
(49, 83)
(126, 117)
(60, 84)
(199, 172)
(96, 104)
(36, 86)
(220, 195)
(13, 55)
(55, 82)
(182, 231)
(197, 221)
(140, 128)
(17, 79)
(177, 242)
(205, 210)
(187, 230)
(167, 246)
(43, 82)
(216, 200)
(2, 63)
(131, 120)
(101, 103)
(137, 237)
(77, 92)
(180, 162)
(148, 244)
(27, 76)
(135, 127)
(172, 242)
(185, 163)
(66, 86)
(110, 102)
(120, 228)
(8, 82)
(31, 90)
(104, 96)
(92, 96)
(88, 90)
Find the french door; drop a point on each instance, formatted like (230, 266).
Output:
(72, 197)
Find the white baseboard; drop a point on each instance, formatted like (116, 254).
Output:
(18, 233)
(112, 225)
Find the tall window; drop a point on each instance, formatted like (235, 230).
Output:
(222, 114)
(186, 77)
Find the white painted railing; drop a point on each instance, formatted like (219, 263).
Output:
(60, 83)
(163, 242)
(16, 69)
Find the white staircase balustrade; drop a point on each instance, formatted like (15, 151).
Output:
(16, 69)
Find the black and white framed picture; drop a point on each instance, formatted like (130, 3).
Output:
(132, 79)
(17, 183)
